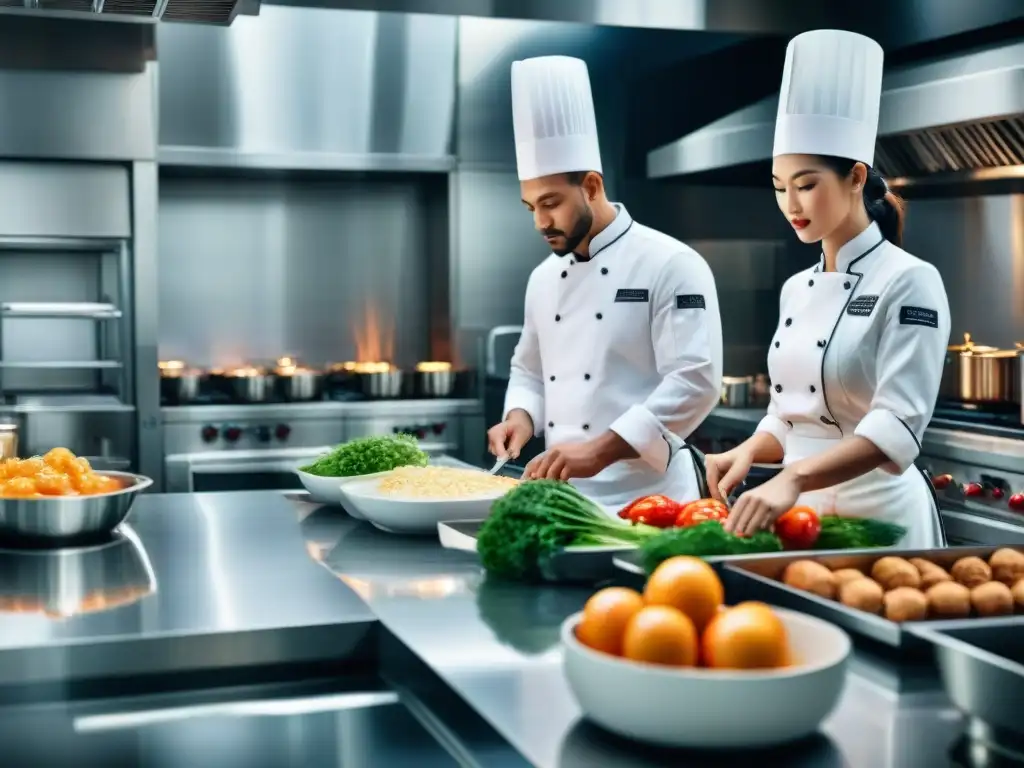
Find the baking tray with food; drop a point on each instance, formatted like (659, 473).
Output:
(879, 594)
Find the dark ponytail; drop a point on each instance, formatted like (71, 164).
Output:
(883, 206)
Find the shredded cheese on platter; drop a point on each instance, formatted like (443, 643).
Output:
(442, 483)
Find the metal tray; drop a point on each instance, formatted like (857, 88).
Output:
(572, 565)
(630, 561)
(758, 578)
(982, 669)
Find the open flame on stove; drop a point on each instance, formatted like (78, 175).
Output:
(374, 337)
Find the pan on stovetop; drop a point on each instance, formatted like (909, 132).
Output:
(295, 383)
(975, 373)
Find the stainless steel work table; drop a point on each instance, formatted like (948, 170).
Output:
(477, 662)
(233, 586)
(496, 646)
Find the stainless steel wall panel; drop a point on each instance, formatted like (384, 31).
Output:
(977, 244)
(63, 199)
(78, 115)
(254, 269)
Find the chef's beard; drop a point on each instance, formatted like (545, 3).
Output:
(584, 221)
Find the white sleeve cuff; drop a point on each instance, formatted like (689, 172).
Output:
(526, 400)
(775, 427)
(642, 430)
(893, 438)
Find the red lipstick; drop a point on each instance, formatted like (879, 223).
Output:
(799, 223)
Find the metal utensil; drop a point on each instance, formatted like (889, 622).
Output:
(501, 462)
(57, 518)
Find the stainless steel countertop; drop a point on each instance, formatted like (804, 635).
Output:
(496, 646)
(234, 586)
(238, 576)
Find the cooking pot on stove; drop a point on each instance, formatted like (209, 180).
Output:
(179, 384)
(249, 385)
(981, 374)
(296, 384)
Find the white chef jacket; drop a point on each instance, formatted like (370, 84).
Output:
(628, 340)
(860, 351)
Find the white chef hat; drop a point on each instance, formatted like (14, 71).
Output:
(831, 91)
(553, 117)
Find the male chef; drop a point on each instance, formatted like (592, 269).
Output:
(620, 357)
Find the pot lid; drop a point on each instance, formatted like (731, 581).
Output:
(969, 346)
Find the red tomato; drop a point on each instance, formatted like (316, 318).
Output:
(700, 511)
(798, 528)
(657, 511)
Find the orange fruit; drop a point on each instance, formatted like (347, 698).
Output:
(687, 584)
(659, 634)
(749, 636)
(605, 617)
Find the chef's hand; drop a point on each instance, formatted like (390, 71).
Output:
(760, 507)
(724, 471)
(566, 461)
(509, 437)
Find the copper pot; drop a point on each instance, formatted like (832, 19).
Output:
(979, 374)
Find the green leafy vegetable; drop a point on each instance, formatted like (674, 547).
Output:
(537, 518)
(857, 533)
(707, 539)
(367, 455)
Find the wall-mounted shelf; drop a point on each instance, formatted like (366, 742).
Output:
(59, 310)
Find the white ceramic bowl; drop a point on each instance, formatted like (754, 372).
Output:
(712, 709)
(330, 490)
(395, 514)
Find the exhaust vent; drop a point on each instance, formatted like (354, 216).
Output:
(129, 7)
(218, 12)
(954, 118)
(208, 11)
(952, 149)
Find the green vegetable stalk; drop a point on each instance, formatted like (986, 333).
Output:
(367, 455)
(537, 518)
(857, 533)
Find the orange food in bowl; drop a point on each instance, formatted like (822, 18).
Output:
(748, 636)
(58, 473)
(659, 634)
(605, 617)
(687, 584)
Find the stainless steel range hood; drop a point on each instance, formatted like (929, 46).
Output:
(962, 116)
(217, 12)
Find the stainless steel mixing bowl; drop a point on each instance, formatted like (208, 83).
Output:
(71, 517)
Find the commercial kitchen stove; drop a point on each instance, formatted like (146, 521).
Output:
(224, 447)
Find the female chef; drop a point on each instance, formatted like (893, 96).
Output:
(858, 353)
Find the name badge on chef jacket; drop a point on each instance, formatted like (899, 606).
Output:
(862, 306)
(633, 295)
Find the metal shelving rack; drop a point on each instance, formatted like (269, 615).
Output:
(99, 313)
